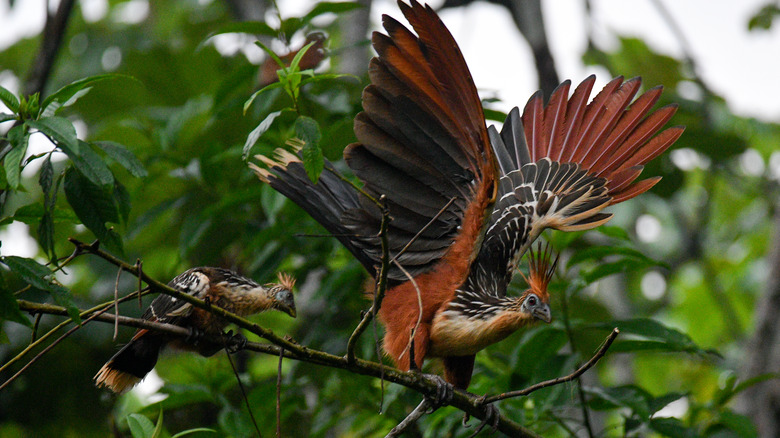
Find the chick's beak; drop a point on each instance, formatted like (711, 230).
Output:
(543, 312)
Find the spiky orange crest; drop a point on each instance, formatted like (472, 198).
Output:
(541, 265)
(286, 280)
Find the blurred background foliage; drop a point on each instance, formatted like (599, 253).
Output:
(680, 270)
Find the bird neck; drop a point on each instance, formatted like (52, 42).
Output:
(474, 320)
(246, 299)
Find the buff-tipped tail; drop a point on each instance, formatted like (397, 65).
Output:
(130, 364)
(115, 380)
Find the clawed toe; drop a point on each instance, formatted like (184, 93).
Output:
(235, 343)
(194, 337)
(444, 391)
(491, 418)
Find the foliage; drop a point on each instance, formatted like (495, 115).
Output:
(160, 175)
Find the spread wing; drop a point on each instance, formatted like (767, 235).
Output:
(423, 144)
(562, 163)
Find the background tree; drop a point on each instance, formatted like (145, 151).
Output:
(150, 161)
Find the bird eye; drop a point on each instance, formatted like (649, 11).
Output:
(532, 300)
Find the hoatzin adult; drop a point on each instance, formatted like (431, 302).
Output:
(466, 201)
(220, 287)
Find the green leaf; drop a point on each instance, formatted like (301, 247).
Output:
(191, 431)
(9, 308)
(13, 159)
(272, 54)
(158, 427)
(122, 199)
(326, 77)
(59, 130)
(491, 114)
(600, 252)
(31, 214)
(41, 277)
(307, 130)
(614, 231)
(672, 427)
(90, 164)
(253, 136)
(649, 334)
(256, 94)
(124, 157)
(722, 396)
(250, 27)
(740, 424)
(605, 269)
(4, 117)
(94, 207)
(330, 7)
(764, 18)
(69, 94)
(298, 56)
(140, 426)
(46, 177)
(9, 99)
(627, 396)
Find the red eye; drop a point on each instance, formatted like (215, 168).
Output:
(532, 300)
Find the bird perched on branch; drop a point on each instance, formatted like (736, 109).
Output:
(221, 288)
(466, 201)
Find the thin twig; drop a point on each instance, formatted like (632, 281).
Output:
(139, 268)
(35, 327)
(54, 330)
(381, 282)
(410, 419)
(419, 308)
(279, 395)
(243, 392)
(116, 302)
(581, 370)
(49, 347)
(422, 230)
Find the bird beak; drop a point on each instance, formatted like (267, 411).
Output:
(290, 310)
(543, 312)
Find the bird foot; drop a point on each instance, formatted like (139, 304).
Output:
(443, 393)
(234, 342)
(194, 337)
(491, 417)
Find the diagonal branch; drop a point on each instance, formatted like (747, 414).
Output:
(581, 370)
(466, 402)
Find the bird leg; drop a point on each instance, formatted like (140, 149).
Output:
(194, 337)
(234, 342)
(443, 393)
(491, 417)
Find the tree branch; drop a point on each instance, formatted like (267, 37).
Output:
(465, 401)
(523, 392)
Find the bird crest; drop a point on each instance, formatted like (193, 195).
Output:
(286, 280)
(541, 266)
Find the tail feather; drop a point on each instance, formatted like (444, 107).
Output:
(611, 137)
(130, 364)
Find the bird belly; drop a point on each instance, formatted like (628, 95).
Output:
(457, 335)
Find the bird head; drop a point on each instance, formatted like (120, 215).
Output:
(535, 302)
(282, 294)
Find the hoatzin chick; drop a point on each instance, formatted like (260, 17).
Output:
(466, 201)
(220, 287)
